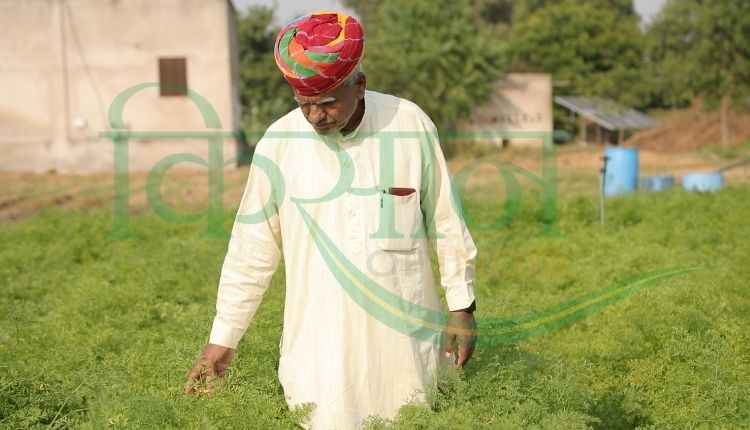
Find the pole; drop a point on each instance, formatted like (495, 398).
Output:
(602, 176)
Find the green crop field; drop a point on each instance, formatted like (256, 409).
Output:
(98, 332)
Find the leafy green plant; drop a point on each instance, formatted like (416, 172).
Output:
(99, 333)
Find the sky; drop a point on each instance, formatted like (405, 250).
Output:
(290, 9)
(286, 10)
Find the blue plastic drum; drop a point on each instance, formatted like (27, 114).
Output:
(622, 171)
(711, 181)
(657, 182)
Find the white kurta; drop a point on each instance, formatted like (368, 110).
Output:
(355, 300)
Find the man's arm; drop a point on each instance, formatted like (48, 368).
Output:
(453, 245)
(252, 257)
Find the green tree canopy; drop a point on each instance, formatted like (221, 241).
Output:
(366, 11)
(264, 94)
(493, 15)
(703, 44)
(592, 48)
(668, 41)
(523, 9)
(434, 56)
(701, 47)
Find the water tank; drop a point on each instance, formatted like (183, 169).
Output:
(657, 182)
(622, 171)
(708, 181)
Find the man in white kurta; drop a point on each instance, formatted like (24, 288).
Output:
(353, 214)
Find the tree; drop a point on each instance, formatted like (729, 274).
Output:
(264, 94)
(523, 9)
(667, 40)
(494, 17)
(434, 56)
(494, 11)
(701, 47)
(367, 11)
(594, 47)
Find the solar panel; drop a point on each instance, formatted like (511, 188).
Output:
(606, 113)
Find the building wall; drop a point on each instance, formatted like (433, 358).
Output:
(65, 61)
(518, 110)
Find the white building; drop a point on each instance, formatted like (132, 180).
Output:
(518, 112)
(64, 62)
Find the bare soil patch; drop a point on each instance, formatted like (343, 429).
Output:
(690, 129)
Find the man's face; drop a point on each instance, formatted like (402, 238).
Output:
(334, 110)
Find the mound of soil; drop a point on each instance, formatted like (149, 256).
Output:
(690, 129)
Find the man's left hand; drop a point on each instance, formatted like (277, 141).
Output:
(461, 329)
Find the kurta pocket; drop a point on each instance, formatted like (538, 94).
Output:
(400, 221)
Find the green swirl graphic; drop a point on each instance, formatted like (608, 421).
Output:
(428, 325)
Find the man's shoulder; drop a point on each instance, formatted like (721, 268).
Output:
(389, 101)
(288, 122)
(393, 106)
(283, 128)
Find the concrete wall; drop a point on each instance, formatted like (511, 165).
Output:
(520, 106)
(65, 61)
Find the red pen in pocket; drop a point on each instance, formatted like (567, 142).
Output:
(402, 192)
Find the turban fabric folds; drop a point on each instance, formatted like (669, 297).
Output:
(318, 51)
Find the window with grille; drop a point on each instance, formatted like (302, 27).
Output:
(173, 76)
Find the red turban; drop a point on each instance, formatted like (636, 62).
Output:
(318, 51)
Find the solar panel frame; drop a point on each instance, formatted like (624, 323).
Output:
(606, 113)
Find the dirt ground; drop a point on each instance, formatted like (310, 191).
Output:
(690, 129)
(22, 194)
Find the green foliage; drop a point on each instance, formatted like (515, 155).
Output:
(264, 94)
(366, 12)
(433, 56)
(666, 46)
(494, 11)
(106, 333)
(495, 17)
(523, 9)
(591, 47)
(99, 333)
(700, 47)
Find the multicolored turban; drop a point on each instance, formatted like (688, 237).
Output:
(318, 51)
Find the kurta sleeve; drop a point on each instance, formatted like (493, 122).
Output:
(449, 236)
(253, 253)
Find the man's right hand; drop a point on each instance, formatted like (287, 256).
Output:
(213, 362)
